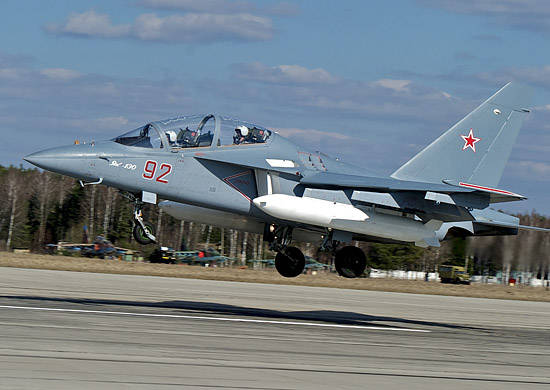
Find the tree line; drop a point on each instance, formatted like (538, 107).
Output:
(41, 207)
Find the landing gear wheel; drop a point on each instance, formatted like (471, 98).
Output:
(141, 236)
(350, 262)
(290, 262)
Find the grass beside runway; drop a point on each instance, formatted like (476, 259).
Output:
(64, 263)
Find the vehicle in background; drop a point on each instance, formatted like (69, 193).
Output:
(101, 248)
(260, 263)
(65, 249)
(208, 258)
(314, 265)
(453, 274)
(164, 255)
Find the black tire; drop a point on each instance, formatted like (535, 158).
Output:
(350, 262)
(140, 235)
(291, 263)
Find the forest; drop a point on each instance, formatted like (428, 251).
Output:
(40, 207)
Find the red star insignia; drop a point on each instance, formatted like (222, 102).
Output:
(470, 140)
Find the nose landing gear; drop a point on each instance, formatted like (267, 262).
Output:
(143, 231)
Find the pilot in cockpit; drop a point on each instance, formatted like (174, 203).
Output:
(172, 137)
(241, 135)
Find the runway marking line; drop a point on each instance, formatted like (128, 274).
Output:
(206, 318)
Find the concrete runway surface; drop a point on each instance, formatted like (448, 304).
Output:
(68, 330)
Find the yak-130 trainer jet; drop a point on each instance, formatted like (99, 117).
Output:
(223, 171)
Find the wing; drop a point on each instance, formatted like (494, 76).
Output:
(328, 180)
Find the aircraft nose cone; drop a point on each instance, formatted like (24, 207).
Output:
(40, 159)
(67, 160)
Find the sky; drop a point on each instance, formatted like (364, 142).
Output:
(371, 83)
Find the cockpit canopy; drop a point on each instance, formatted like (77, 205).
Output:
(238, 132)
(190, 131)
(195, 131)
(144, 137)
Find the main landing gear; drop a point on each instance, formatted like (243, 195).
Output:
(143, 231)
(289, 261)
(349, 261)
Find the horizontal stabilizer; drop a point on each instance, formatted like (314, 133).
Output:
(496, 195)
(514, 226)
(535, 228)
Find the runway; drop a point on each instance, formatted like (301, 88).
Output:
(67, 330)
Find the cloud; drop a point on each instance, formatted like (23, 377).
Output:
(14, 60)
(60, 73)
(90, 24)
(464, 55)
(532, 15)
(396, 85)
(187, 28)
(221, 6)
(317, 90)
(538, 76)
(538, 169)
(202, 28)
(283, 74)
(210, 6)
(10, 73)
(94, 104)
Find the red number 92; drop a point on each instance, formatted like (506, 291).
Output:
(150, 168)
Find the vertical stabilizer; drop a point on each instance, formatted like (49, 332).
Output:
(477, 148)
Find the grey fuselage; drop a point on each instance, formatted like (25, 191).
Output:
(227, 177)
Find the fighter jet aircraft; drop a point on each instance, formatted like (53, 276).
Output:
(227, 172)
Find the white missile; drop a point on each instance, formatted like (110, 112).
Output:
(346, 217)
(308, 210)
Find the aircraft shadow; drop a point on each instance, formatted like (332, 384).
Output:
(209, 308)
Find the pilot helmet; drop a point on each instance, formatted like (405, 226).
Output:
(172, 136)
(243, 130)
